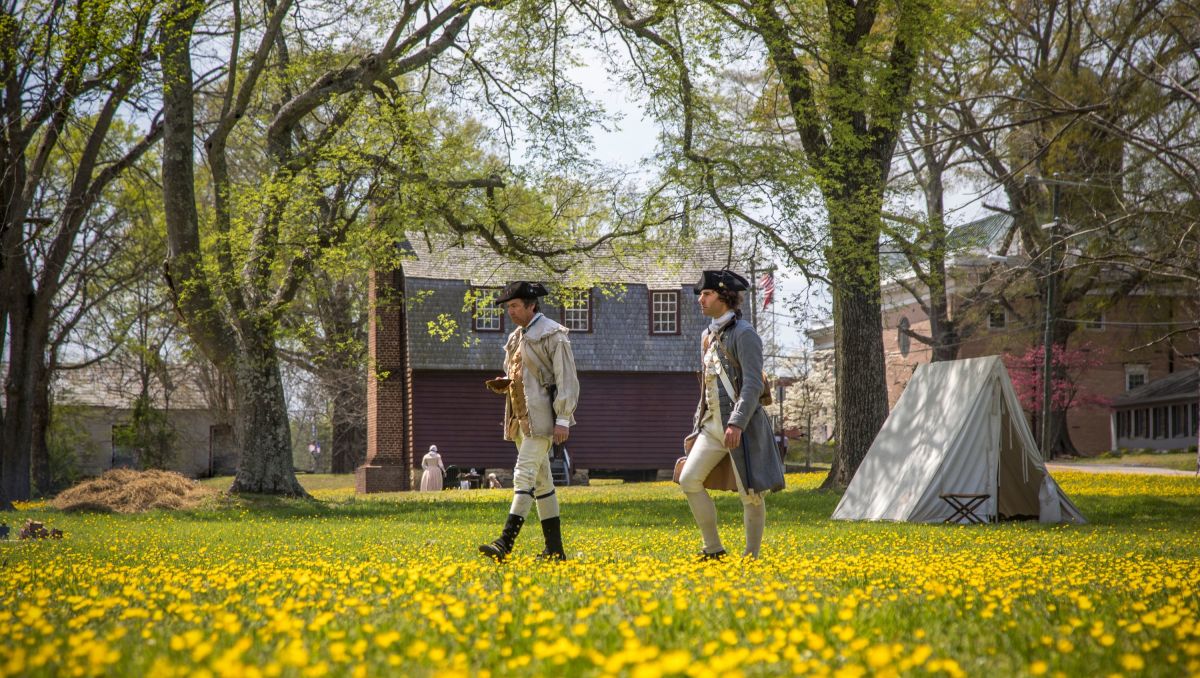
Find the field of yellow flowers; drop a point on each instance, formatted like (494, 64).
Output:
(391, 585)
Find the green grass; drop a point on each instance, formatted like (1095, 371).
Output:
(391, 584)
(311, 481)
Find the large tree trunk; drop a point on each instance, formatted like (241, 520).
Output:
(16, 297)
(262, 423)
(849, 139)
(859, 384)
(26, 375)
(38, 449)
(18, 428)
(860, 378)
(27, 416)
(261, 418)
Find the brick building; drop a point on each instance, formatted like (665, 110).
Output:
(633, 332)
(1124, 335)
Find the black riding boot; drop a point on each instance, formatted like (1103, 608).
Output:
(552, 530)
(499, 549)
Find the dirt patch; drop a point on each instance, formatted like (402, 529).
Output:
(129, 491)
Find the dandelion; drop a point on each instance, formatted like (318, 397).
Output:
(1132, 662)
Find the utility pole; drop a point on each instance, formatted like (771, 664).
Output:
(1048, 338)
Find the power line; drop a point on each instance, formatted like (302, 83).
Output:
(1127, 323)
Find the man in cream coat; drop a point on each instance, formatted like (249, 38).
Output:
(541, 390)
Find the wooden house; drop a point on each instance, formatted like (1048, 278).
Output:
(634, 330)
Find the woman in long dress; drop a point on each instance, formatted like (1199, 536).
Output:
(434, 474)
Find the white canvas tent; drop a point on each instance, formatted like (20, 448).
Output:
(957, 429)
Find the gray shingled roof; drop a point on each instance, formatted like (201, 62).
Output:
(449, 258)
(980, 234)
(1181, 385)
(619, 340)
(441, 271)
(113, 386)
(975, 237)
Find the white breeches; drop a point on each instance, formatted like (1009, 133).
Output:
(531, 478)
(706, 453)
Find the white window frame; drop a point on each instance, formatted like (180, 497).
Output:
(665, 307)
(487, 317)
(1095, 324)
(575, 317)
(1136, 370)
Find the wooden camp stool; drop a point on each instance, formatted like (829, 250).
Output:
(964, 506)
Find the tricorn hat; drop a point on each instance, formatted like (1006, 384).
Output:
(721, 280)
(521, 289)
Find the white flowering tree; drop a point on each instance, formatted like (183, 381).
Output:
(808, 403)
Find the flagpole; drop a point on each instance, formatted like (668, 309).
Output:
(768, 283)
(753, 295)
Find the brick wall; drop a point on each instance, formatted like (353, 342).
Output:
(389, 441)
(1119, 341)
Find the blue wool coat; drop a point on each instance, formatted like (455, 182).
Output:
(757, 458)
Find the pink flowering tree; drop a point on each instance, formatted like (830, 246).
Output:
(1067, 365)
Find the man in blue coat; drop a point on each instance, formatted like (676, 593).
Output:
(729, 423)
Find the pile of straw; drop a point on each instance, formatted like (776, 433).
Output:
(129, 491)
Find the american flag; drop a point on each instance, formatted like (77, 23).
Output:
(767, 285)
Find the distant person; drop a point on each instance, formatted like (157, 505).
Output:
(729, 423)
(541, 391)
(433, 473)
(493, 483)
(473, 479)
(314, 449)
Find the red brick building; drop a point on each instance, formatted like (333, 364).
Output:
(1125, 336)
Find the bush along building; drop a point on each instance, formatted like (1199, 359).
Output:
(436, 336)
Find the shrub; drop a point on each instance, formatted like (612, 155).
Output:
(149, 434)
(66, 440)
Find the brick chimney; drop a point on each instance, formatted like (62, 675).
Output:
(389, 463)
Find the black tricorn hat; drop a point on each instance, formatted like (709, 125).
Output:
(723, 279)
(521, 289)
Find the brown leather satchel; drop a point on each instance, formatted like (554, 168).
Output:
(720, 478)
